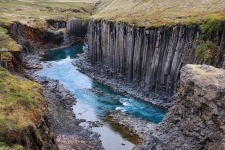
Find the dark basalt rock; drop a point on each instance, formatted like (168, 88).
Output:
(149, 60)
(77, 28)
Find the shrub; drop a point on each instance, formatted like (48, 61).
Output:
(206, 49)
(209, 26)
(202, 47)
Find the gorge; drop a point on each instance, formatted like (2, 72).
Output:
(95, 100)
(147, 60)
(128, 71)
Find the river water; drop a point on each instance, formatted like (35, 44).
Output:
(91, 105)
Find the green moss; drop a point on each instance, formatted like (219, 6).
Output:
(210, 25)
(206, 48)
(202, 47)
(85, 21)
(2, 143)
(196, 15)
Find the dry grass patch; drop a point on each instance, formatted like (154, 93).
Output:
(23, 10)
(150, 13)
(35, 13)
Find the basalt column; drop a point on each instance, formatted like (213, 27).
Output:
(76, 27)
(150, 59)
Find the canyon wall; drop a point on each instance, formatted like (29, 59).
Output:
(12, 62)
(40, 38)
(77, 27)
(57, 24)
(150, 59)
(196, 120)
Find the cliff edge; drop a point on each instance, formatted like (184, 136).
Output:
(196, 118)
(24, 119)
(148, 13)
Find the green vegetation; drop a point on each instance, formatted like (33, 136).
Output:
(21, 105)
(202, 47)
(3, 146)
(6, 41)
(85, 21)
(95, 11)
(210, 25)
(206, 48)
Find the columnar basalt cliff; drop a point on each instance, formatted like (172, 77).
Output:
(77, 27)
(196, 120)
(149, 59)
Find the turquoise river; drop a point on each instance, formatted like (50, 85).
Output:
(91, 106)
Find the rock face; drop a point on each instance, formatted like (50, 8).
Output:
(35, 40)
(76, 27)
(43, 37)
(150, 59)
(57, 24)
(196, 119)
(12, 62)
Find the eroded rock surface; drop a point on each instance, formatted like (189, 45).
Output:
(196, 118)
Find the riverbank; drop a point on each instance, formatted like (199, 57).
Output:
(137, 126)
(69, 134)
(98, 73)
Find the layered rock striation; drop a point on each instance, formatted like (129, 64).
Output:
(147, 59)
(196, 119)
